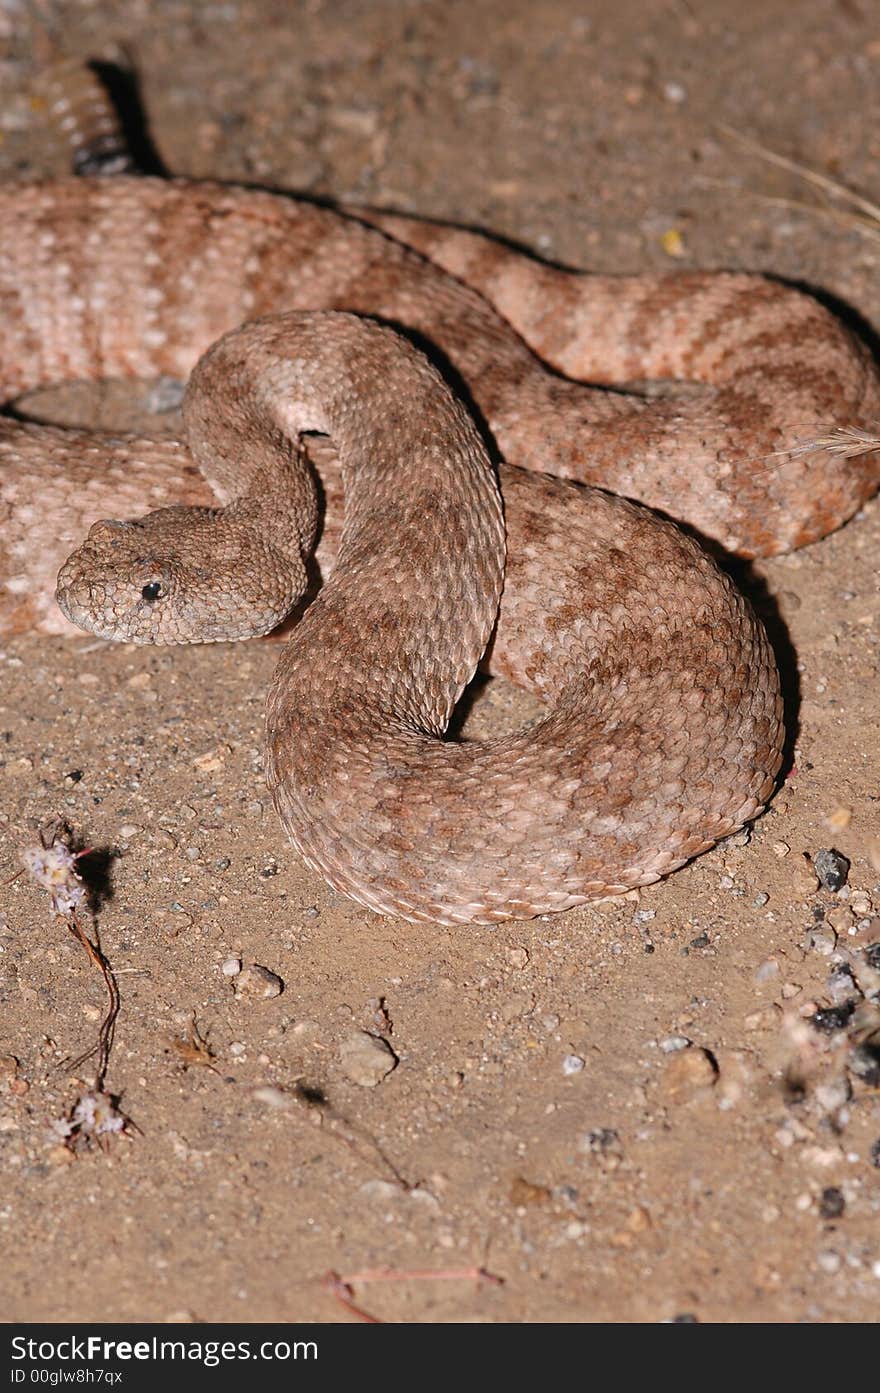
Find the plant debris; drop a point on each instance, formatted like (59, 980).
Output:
(53, 866)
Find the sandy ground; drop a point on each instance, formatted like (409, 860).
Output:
(547, 1118)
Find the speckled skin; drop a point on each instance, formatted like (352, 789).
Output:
(666, 729)
(130, 277)
(664, 723)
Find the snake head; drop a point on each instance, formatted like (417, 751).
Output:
(178, 575)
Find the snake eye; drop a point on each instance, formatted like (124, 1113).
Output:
(152, 591)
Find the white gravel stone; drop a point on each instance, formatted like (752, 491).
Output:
(366, 1059)
(258, 983)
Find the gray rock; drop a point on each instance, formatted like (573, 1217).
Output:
(366, 1059)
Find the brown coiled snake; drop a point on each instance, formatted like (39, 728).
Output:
(663, 730)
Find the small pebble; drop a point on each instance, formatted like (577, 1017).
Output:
(689, 1072)
(760, 899)
(572, 1064)
(841, 919)
(673, 1043)
(841, 985)
(829, 1261)
(864, 1062)
(831, 868)
(257, 982)
(366, 1059)
(231, 967)
(781, 849)
(834, 1094)
(860, 903)
(602, 1141)
(274, 1098)
(213, 760)
(832, 1018)
(306, 1030)
(821, 941)
(767, 970)
(832, 1203)
(524, 1192)
(379, 1190)
(806, 879)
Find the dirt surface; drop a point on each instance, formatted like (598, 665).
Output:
(627, 1112)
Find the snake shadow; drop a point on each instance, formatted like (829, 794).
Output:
(122, 86)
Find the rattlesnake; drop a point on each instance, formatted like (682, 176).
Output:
(665, 726)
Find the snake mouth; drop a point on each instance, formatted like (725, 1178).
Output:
(132, 612)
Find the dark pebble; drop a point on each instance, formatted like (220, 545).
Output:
(833, 1018)
(874, 1154)
(832, 1204)
(701, 941)
(603, 1139)
(818, 912)
(872, 956)
(864, 1062)
(832, 869)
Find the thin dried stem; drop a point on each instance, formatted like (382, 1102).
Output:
(343, 1287)
(104, 1043)
(830, 187)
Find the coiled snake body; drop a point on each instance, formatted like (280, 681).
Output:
(664, 726)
